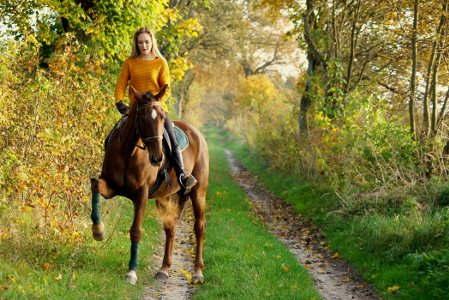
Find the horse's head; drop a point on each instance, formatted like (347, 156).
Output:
(150, 122)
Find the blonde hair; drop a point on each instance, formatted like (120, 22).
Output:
(135, 52)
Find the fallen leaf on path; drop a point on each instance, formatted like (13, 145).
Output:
(336, 255)
(187, 274)
(308, 266)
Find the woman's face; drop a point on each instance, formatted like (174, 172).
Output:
(144, 43)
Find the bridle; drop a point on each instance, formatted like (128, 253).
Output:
(139, 131)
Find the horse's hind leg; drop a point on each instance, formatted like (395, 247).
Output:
(99, 187)
(169, 211)
(198, 197)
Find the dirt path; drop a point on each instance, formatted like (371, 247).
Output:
(334, 278)
(177, 287)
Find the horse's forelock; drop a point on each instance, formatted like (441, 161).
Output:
(148, 96)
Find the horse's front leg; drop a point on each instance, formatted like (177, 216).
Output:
(140, 203)
(99, 187)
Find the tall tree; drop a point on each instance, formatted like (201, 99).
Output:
(236, 36)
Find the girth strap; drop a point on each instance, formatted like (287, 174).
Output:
(161, 176)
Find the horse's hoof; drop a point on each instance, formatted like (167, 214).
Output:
(161, 275)
(131, 277)
(98, 231)
(198, 279)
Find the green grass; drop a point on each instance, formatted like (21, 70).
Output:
(401, 247)
(38, 269)
(243, 260)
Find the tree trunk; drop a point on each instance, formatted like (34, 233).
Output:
(414, 68)
(306, 101)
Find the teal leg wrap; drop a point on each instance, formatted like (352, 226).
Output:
(95, 216)
(134, 252)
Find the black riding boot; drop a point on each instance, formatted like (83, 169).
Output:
(186, 180)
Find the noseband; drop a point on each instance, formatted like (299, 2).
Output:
(139, 131)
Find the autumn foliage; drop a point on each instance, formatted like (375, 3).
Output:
(57, 107)
(53, 125)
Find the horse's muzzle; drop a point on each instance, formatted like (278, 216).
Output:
(156, 160)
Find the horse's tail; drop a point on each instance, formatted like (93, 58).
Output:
(170, 208)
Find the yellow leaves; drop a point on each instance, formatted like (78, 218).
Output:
(32, 39)
(190, 251)
(393, 289)
(178, 66)
(362, 285)
(307, 266)
(336, 255)
(59, 277)
(99, 70)
(187, 274)
(256, 92)
(319, 163)
(4, 233)
(25, 208)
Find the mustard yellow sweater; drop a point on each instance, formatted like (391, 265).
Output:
(144, 76)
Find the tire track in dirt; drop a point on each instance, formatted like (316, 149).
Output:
(178, 286)
(335, 279)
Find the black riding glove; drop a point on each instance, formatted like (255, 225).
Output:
(122, 108)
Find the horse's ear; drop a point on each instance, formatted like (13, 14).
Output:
(137, 94)
(161, 93)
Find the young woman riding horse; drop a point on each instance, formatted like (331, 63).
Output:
(134, 159)
(147, 71)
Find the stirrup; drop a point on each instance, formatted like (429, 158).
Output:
(187, 182)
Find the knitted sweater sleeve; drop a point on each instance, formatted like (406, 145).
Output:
(122, 82)
(164, 78)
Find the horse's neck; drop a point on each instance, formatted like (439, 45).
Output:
(129, 132)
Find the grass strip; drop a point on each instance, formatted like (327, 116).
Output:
(403, 256)
(39, 269)
(243, 260)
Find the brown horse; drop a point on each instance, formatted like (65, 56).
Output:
(133, 159)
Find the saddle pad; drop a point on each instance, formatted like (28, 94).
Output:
(181, 139)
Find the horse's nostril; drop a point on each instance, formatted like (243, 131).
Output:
(155, 161)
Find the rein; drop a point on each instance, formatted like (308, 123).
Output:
(144, 140)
